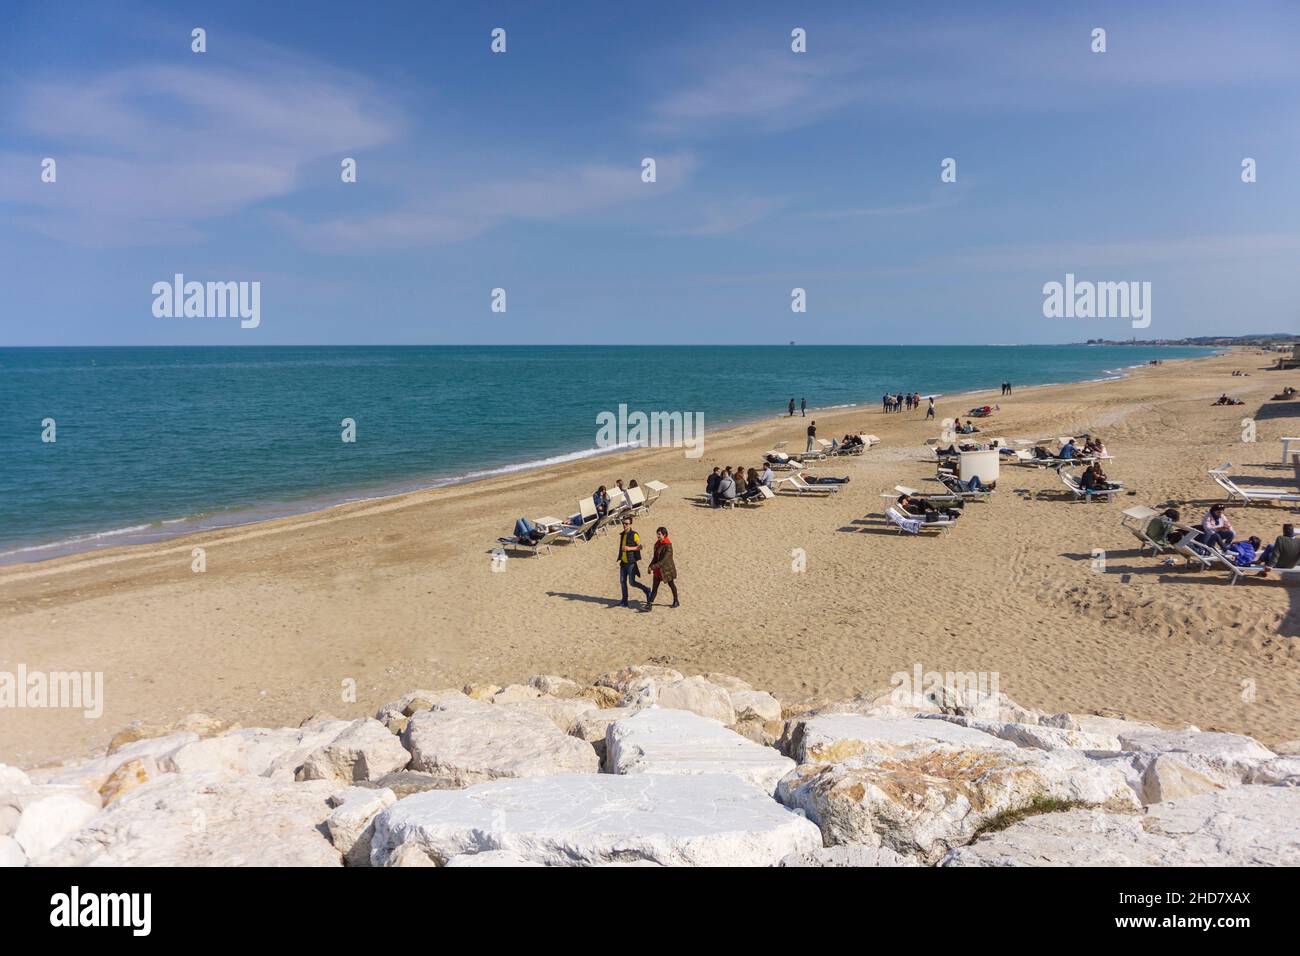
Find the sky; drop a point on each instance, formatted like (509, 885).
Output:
(523, 170)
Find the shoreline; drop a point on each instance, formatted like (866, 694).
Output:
(154, 533)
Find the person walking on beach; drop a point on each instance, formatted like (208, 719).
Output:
(929, 412)
(792, 408)
(803, 407)
(662, 568)
(629, 554)
(812, 436)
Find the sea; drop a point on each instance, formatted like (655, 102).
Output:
(150, 443)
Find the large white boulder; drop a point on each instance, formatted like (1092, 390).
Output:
(49, 814)
(12, 776)
(551, 686)
(94, 774)
(562, 713)
(924, 801)
(1036, 736)
(255, 751)
(620, 680)
(366, 750)
(594, 819)
(754, 705)
(690, 693)
(472, 742)
(352, 824)
(1245, 826)
(836, 737)
(1172, 764)
(207, 819)
(680, 742)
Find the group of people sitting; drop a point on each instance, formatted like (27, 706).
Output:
(1225, 400)
(1215, 532)
(1094, 479)
(923, 509)
(847, 444)
(966, 429)
(1091, 448)
(726, 485)
(903, 401)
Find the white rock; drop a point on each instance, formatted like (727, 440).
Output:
(364, 751)
(551, 686)
(516, 692)
(1094, 724)
(849, 854)
(754, 704)
(46, 821)
(661, 741)
(490, 858)
(16, 798)
(1245, 826)
(1037, 736)
(1179, 763)
(11, 854)
(12, 776)
(95, 773)
(255, 751)
(562, 713)
(207, 819)
(592, 819)
(619, 680)
(925, 801)
(408, 704)
(474, 742)
(1284, 771)
(727, 681)
(352, 824)
(837, 737)
(691, 693)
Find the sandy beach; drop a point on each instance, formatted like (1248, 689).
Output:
(400, 593)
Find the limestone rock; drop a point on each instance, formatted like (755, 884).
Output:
(661, 741)
(406, 705)
(483, 692)
(95, 773)
(1094, 724)
(603, 696)
(691, 693)
(12, 776)
(1288, 748)
(364, 751)
(515, 693)
(591, 726)
(837, 737)
(403, 783)
(848, 854)
(474, 742)
(1245, 826)
(620, 680)
(924, 801)
(764, 732)
(255, 751)
(550, 686)
(1179, 763)
(50, 816)
(11, 854)
(320, 717)
(206, 819)
(754, 704)
(593, 819)
(729, 683)
(564, 714)
(352, 824)
(1036, 736)
(490, 858)
(128, 776)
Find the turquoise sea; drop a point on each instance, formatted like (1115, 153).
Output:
(154, 442)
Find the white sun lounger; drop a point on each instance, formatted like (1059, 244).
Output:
(948, 478)
(796, 481)
(1247, 494)
(1088, 494)
(913, 493)
(656, 488)
(544, 542)
(913, 525)
(1209, 559)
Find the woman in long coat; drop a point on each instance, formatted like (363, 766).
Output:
(662, 568)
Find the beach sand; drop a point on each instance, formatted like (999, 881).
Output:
(399, 594)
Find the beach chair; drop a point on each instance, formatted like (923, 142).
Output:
(950, 481)
(914, 493)
(1208, 559)
(573, 532)
(655, 489)
(763, 494)
(587, 508)
(869, 441)
(1249, 495)
(545, 542)
(910, 524)
(1135, 520)
(636, 501)
(797, 482)
(1088, 494)
(1026, 457)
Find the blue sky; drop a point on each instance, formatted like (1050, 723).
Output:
(522, 170)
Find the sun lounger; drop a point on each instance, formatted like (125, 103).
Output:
(1208, 559)
(953, 484)
(1088, 494)
(1136, 520)
(1025, 456)
(911, 524)
(1247, 494)
(510, 541)
(913, 493)
(796, 481)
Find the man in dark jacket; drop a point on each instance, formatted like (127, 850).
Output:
(629, 554)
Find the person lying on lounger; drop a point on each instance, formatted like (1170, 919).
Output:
(526, 532)
(953, 483)
(925, 510)
(825, 480)
(1246, 552)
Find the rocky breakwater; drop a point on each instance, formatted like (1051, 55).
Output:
(646, 766)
